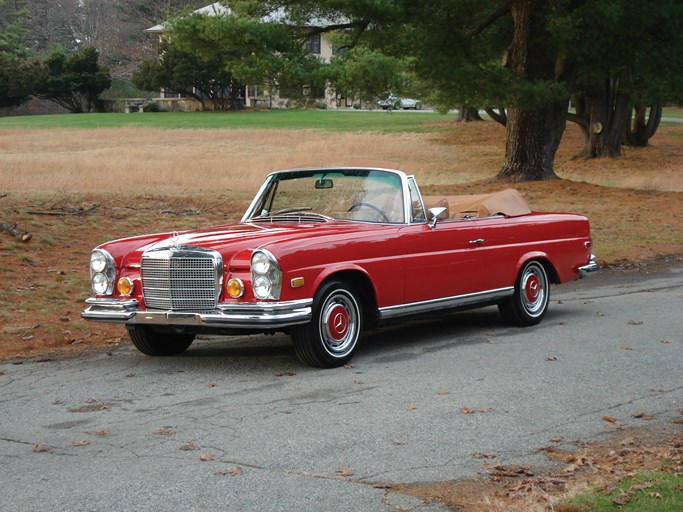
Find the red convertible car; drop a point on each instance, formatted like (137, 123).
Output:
(324, 253)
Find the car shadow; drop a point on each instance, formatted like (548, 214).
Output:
(393, 342)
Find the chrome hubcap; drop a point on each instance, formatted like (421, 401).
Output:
(534, 289)
(339, 324)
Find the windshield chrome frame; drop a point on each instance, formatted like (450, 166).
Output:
(402, 176)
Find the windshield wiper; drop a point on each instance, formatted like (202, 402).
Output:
(291, 210)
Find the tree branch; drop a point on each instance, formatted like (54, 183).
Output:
(495, 16)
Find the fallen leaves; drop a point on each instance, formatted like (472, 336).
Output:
(91, 405)
(164, 431)
(344, 472)
(471, 410)
(41, 448)
(80, 442)
(613, 422)
(498, 471)
(90, 408)
(205, 457)
(283, 374)
(188, 447)
(230, 472)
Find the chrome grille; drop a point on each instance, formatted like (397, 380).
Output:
(182, 279)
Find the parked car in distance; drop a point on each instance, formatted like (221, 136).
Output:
(394, 102)
(324, 253)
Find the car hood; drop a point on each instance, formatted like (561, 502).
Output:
(230, 239)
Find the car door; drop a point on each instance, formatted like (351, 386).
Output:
(440, 261)
(502, 242)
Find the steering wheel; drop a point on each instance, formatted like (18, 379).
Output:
(360, 204)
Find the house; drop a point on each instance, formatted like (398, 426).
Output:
(258, 95)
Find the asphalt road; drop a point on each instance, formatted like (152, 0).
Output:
(240, 424)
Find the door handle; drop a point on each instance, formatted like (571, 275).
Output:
(478, 241)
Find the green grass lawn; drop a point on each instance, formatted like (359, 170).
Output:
(658, 491)
(344, 121)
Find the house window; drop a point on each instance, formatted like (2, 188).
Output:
(253, 91)
(312, 44)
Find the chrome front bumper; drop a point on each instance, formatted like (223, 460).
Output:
(268, 315)
(592, 266)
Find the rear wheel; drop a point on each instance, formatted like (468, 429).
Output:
(155, 343)
(331, 337)
(529, 302)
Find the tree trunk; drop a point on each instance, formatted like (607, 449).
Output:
(602, 113)
(468, 114)
(499, 116)
(531, 141)
(642, 127)
(532, 134)
(235, 95)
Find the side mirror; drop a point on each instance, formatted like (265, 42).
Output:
(435, 214)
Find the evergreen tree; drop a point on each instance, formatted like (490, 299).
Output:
(72, 81)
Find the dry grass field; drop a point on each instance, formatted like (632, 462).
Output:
(74, 189)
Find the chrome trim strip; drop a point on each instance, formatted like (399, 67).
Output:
(109, 309)
(226, 315)
(589, 269)
(445, 303)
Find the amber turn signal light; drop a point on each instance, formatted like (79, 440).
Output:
(235, 288)
(125, 286)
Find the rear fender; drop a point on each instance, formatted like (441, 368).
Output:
(544, 259)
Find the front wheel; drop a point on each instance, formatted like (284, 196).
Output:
(331, 337)
(155, 343)
(529, 302)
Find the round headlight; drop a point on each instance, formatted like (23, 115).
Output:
(98, 261)
(100, 283)
(260, 263)
(262, 287)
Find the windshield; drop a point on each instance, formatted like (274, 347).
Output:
(344, 194)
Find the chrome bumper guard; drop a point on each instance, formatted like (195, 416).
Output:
(592, 266)
(226, 316)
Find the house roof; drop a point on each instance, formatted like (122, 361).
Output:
(277, 16)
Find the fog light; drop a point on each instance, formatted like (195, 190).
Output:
(125, 286)
(235, 288)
